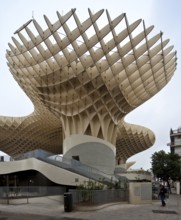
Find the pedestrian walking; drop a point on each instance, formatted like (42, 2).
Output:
(162, 195)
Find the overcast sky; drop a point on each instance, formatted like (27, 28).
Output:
(160, 113)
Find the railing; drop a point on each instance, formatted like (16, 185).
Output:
(79, 197)
(30, 191)
(72, 165)
(78, 167)
(99, 196)
(176, 131)
(35, 153)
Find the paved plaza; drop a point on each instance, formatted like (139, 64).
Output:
(114, 211)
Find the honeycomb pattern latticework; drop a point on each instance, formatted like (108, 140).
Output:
(132, 139)
(20, 135)
(85, 77)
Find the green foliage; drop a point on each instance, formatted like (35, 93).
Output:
(86, 189)
(166, 165)
(90, 185)
(93, 185)
(117, 184)
(114, 185)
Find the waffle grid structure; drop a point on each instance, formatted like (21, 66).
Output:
(84, 78)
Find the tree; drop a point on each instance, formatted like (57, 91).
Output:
(166, 166)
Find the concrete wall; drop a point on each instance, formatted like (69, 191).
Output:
(92, 151)
(178, 150)
(140, 192)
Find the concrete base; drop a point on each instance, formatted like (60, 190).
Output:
(91, 151)
(140, 193)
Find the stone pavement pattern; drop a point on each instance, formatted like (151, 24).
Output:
(55, 211)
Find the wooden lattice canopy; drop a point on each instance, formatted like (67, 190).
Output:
(84, 77)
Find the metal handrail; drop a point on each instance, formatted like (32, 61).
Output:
(71, 165)
(80, 168)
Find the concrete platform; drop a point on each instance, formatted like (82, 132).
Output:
(53, 210)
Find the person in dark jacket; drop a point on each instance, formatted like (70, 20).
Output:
(162, 193)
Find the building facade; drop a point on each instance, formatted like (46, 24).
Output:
(175, 138)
